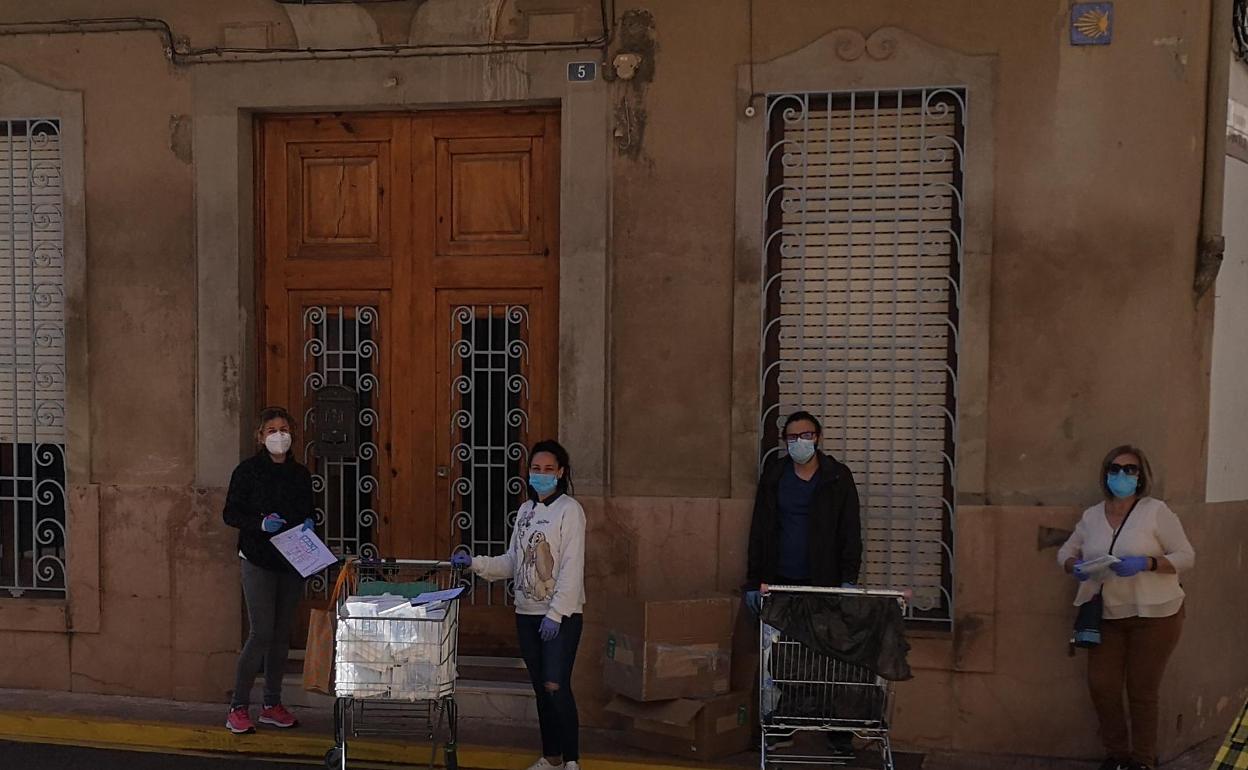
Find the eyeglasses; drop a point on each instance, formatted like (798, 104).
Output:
(1131, 469)
(807, 436)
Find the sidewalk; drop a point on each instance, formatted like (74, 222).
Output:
(122, 722)
(109, 721)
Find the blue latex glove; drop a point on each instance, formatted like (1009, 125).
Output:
(1078, 572)
(272, 523)
(1130, 565)
(308, 524)
(549, 629)
(754, 601)
(461, 559)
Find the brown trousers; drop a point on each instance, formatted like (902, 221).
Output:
(1133, 652)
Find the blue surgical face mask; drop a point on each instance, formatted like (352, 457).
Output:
(543, 483)
(1121, 484)
(802, 450)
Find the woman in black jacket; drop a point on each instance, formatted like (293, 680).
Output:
(269, 493)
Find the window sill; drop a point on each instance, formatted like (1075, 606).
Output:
(50, 615)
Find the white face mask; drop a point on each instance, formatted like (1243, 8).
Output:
(277, 443)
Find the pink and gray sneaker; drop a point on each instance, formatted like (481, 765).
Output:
(238, 721)
(278, 716)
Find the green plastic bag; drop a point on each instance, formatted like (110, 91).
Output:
(406, 590)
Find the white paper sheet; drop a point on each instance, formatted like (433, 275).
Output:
(1099, 564)
(304, 550)
(438, 596)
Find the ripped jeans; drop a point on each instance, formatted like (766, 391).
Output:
(552, 662)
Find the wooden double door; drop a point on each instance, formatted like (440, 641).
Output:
(408, 276)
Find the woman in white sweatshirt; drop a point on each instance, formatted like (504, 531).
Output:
(1143, 602)
(546, 560)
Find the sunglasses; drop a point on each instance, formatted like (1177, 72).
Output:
(1131, 469)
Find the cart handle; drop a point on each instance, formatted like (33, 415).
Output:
(901, 597)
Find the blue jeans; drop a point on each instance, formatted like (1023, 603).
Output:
(552, 662)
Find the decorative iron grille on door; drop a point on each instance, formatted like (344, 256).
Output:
(32, 360)
(863, 249)
(340, 351)
(489, 429)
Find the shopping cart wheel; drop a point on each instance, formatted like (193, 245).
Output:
(333, 759)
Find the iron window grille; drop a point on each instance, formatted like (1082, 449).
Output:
(861, 296)
(32, 360)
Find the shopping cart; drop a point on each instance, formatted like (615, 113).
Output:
(802, 691)
(395, 662)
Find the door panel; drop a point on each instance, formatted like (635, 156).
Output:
(343, 341)
(486, 194)
(412, 259)
(337, 199)
(491, 386)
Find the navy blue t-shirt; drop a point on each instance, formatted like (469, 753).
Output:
(795, 500)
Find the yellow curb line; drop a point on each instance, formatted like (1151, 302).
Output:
(27, 727)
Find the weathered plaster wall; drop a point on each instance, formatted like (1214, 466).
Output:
(1095, 340)
(140, 288)
(1098, 173)
(1228, 394)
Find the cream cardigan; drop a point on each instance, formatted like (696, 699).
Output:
(1152, 529)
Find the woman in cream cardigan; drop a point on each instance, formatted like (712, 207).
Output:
(1143, 602)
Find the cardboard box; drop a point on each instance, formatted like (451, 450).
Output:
(670, 648)
(699, 729)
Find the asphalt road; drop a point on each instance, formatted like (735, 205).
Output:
(38, 756)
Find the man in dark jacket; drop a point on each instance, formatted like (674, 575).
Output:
(806, 528)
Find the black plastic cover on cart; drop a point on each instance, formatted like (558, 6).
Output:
(860, 630)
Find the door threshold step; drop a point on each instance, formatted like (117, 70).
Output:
(491, 661)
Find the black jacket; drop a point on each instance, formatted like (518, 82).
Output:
(259, 487)
(835, 536)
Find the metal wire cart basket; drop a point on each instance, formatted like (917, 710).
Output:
(804, 691)
(395, 655)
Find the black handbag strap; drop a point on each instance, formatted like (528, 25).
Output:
(1118, 531)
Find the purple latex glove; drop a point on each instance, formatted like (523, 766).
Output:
(1130, 565)
(1079, 572)
(272, 523)
(309, 524)
(461, 559)
(549, 629)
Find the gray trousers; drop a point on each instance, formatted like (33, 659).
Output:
(271, 600)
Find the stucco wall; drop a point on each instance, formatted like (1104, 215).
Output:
(1097, 185)
(168, 608)
(1228, 388)
(1094, 337)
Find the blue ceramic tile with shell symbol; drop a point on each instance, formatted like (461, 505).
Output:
(1091, 23)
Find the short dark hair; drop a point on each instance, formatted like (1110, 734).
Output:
(798, 416)
(1143, 486)
(561, 459)
(275, 413)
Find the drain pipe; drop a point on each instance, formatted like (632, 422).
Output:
(1212, 243)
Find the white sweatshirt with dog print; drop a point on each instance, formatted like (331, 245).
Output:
(546, 558)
